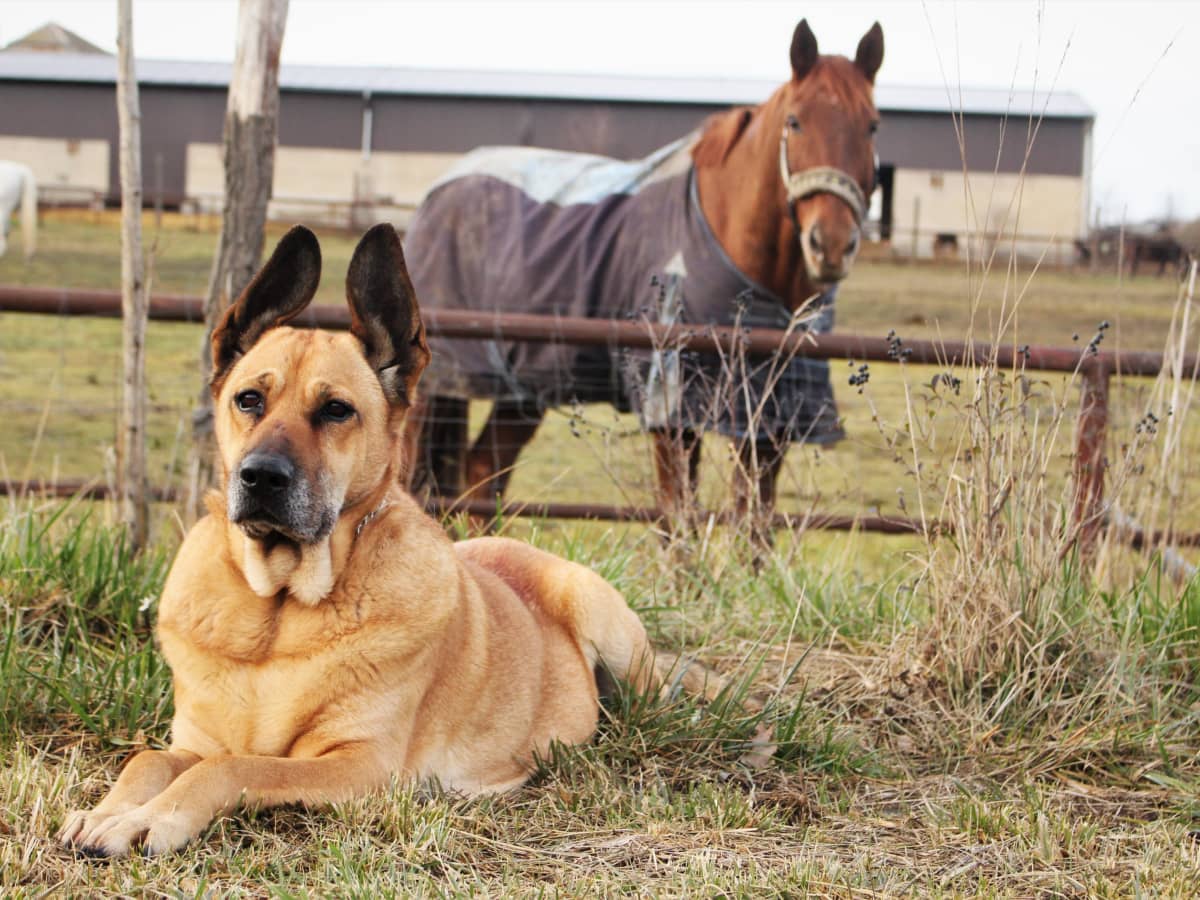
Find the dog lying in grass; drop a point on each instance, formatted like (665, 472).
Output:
(323, 633)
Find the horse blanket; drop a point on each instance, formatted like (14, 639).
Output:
(519, 229)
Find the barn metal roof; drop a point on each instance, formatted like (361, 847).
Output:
(16, 65)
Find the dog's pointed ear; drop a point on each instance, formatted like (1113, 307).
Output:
(869, 56)
(384, 314)
(804, 52)
(279, 292)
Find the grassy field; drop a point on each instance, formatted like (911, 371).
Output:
(985, 714)
(61, 376)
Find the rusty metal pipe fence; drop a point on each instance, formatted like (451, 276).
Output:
(1095, 368)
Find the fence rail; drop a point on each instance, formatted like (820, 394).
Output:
(95, 490)
(453, 323)
(1095, 368)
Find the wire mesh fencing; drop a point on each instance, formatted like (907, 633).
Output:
(60, 362)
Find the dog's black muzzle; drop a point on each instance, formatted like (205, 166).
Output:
(266, 476)
(268, 495)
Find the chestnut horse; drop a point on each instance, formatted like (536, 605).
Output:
(765, 202)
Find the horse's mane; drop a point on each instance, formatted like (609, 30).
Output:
(719, 133)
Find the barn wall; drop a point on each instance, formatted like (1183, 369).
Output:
(63, 112)
(324, 175)
(1046, 209)
(413, 138)
(73, 170)
(172, 119)
(989, 143)
(459, 124)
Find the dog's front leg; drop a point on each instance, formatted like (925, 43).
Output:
(216, 785)
(143, 778)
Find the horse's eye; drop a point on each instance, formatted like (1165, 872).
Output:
(874, 127)
(793, 123)
(249, 402)
(336, 411)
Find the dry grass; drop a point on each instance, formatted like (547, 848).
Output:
(936, 836)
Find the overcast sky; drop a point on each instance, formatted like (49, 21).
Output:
(1137, 64)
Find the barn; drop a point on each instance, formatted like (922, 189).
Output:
(358, 143)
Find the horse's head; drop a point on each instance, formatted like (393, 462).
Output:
(826, 123)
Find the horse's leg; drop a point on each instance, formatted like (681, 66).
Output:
(755, 484)
(676, 470)
(436, 442)
(509, 427)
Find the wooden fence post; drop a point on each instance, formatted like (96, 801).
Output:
(916, 226)
(131, 432)
(1090, 440)
(251, 125)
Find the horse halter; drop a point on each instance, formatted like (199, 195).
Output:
(820, 180)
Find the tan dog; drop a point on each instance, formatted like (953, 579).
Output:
(323, 632)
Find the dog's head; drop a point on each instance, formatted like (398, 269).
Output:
(308, 422)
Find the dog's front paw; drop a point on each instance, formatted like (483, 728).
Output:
(104, 834)
(118, 835)
(78, 823)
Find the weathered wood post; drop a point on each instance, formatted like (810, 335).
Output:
(1090, 439)
(131, 432)
(251, 127)
(916, 227)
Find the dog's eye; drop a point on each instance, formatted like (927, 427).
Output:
(336, 411)
(249, 401)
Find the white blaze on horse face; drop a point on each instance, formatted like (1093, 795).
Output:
(823, 181)
(829, 238)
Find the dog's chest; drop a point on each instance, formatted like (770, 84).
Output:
(259, 690)
(260, 710)
(272, 708)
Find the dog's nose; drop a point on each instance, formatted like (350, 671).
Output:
(266, 473)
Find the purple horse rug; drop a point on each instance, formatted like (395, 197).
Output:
(516, 229)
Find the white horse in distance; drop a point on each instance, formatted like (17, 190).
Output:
(17, 185)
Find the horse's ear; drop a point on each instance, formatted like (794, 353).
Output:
(384, 314)
(870, 52)
(719, 136)
(278, 293)
(804, 50)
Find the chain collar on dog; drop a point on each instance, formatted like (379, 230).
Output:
(819, 180)
(366, 520)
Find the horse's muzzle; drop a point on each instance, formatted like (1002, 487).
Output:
(829, 254)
